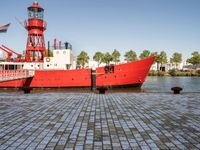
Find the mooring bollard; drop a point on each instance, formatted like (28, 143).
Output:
(26, 90)
(102, 89)
(176, 89)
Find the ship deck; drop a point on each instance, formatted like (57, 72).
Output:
(94, 121)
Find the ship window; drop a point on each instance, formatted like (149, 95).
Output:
(31, 65)
(109, 69)
(1, 67)
(47, 65)
(11, 67)
(55, 64)
(67, 66)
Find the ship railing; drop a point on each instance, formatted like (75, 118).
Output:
(9, 75)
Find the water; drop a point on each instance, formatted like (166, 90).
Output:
(164, 84)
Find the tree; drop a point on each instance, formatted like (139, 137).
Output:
(176, 58)
(145, 54)
(195, 59)
(82, 58)
(130, 56)
(98, 57)
(116, 56)
(162, 58)
(107, 58)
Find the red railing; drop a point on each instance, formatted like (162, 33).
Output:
(9, 75)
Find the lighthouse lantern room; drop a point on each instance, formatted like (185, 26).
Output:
(35, 49)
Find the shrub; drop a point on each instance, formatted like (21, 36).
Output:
(153, 73)
(173, 72)
(198, 72)
(161, 73)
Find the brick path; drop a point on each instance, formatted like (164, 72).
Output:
(93, 121)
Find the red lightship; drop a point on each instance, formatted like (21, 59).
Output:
(60, 71)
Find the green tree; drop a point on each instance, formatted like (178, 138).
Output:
(161, 58)
(176, 58)
(98, 57)
(145, 54)
(107, 58)
(116, 56)
(130, 56)
(195, 59)
(82, 58)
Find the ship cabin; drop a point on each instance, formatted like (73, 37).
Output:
(11, 66)
(63, 58)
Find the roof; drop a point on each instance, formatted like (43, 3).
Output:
(35, 5)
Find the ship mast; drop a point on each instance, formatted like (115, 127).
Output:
(35, 48)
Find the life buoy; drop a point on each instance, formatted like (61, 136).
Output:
(48, 59)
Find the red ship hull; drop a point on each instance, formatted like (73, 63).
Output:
(131, 74)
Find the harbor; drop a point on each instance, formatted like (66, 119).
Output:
(133, 86)
(99, 121)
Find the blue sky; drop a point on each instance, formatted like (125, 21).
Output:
(105, 25)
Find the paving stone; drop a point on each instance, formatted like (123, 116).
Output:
(94, 121)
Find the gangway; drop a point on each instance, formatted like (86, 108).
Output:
(10, 75)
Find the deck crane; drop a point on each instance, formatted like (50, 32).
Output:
(8, 53)
(17, 54)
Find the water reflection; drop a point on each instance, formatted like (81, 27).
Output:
(164, 84)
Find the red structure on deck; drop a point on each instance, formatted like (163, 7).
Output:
(35, 49)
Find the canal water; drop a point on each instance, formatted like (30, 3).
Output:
(164, 84)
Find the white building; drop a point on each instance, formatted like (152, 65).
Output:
(168, 66)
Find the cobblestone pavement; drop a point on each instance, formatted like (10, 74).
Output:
(93, 121)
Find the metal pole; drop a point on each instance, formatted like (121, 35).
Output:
(93, 79)
(48, 49)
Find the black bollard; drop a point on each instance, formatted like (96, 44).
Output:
(102, 89)
(176, 89)
(27, 90)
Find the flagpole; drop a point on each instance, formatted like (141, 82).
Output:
(4, 28)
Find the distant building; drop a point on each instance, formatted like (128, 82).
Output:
(191, 67)
(168, 66)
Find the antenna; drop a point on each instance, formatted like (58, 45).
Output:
(20, 22)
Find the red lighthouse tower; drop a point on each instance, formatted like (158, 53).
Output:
(35, 48)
